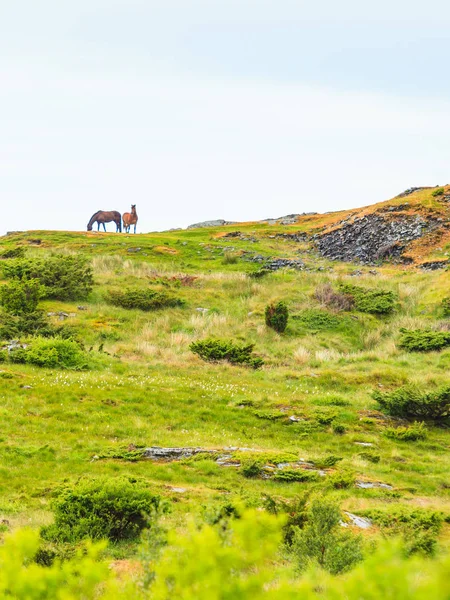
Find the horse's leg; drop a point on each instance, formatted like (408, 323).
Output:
(98, 225)
(104, 226)
(135, 228)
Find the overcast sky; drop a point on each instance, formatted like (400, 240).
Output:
(205, 109)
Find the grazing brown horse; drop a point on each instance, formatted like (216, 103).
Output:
(130, 219)
(105, 216)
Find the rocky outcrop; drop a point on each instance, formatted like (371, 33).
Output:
(214, 223)
(372, 237)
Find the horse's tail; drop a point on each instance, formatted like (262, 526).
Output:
(92, 220)
(118, 220)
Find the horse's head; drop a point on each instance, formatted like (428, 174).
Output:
(89, 227)
(133, 207)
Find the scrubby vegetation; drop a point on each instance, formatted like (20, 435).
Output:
(105, 508)
(378, 302)
(142, 299)
(413, 402)
(277, 316)
(216, 350)
(62, 277)
(421, 340)
(272, 469)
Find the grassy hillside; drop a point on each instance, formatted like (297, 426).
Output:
(311, 400)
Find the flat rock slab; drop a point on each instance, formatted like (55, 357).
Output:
(360, 522)
(367, 485)
(158, 453)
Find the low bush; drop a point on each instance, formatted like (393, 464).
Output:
(295, 475)
(277, 316)
(411, 403)
(321, 541)
(213, 350)
(52, 353)
(18, 298)
(379, 302)
(419, 527)
(438, 192)
(63, 277)
(114, 508)
(446, 306)
(33, 323)
(341, 480)
(260, 273)
(370, 457)
(327, 461)
(339, 429)
(17, 252)
(230, 258)
(415, 432)
(252, 469)
(142, 299)
(326, 295)
(423, 340)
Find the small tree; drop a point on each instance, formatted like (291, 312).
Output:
(277, 316)
(321, 541)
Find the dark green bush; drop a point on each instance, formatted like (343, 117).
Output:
(214, 350)
(33, 323)
(438, 192)
(18, 298)
(252, 469)
(370, 456)
(339, 429)
(63, 277)
(379, 302)
(327, 462)
(142, 299)
(422, 340)
(410, 402)
(341, 480)
(446, 306)
(260, 273)
(17, 252)
(114, 508)
(295, 475)
(415, 432)
(322, 541)
(277, 316)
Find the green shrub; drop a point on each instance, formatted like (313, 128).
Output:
(317, 319)
(322, 541)
(341, 480)
(438, 192)
(114, 508)
(259, 274)
(277, 316)
(252, 469)
(379, 302)
(327, 462)
(415, 432)
(18, 298)
(410, 402)
(63, 277)
(295, 475)
(215, 350)
(142, 299)
(52, 353)
(418, 527)
(17, 252)
(339, 429)
(422, 340)
(33, 323)
(324, 417)
(370, 456)
(446, 306)
(3, 356)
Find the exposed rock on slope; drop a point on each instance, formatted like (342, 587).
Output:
(373, 237)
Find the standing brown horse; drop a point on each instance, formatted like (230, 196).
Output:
(105, 216)
(130, 219)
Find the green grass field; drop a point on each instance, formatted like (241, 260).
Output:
(149, 389)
